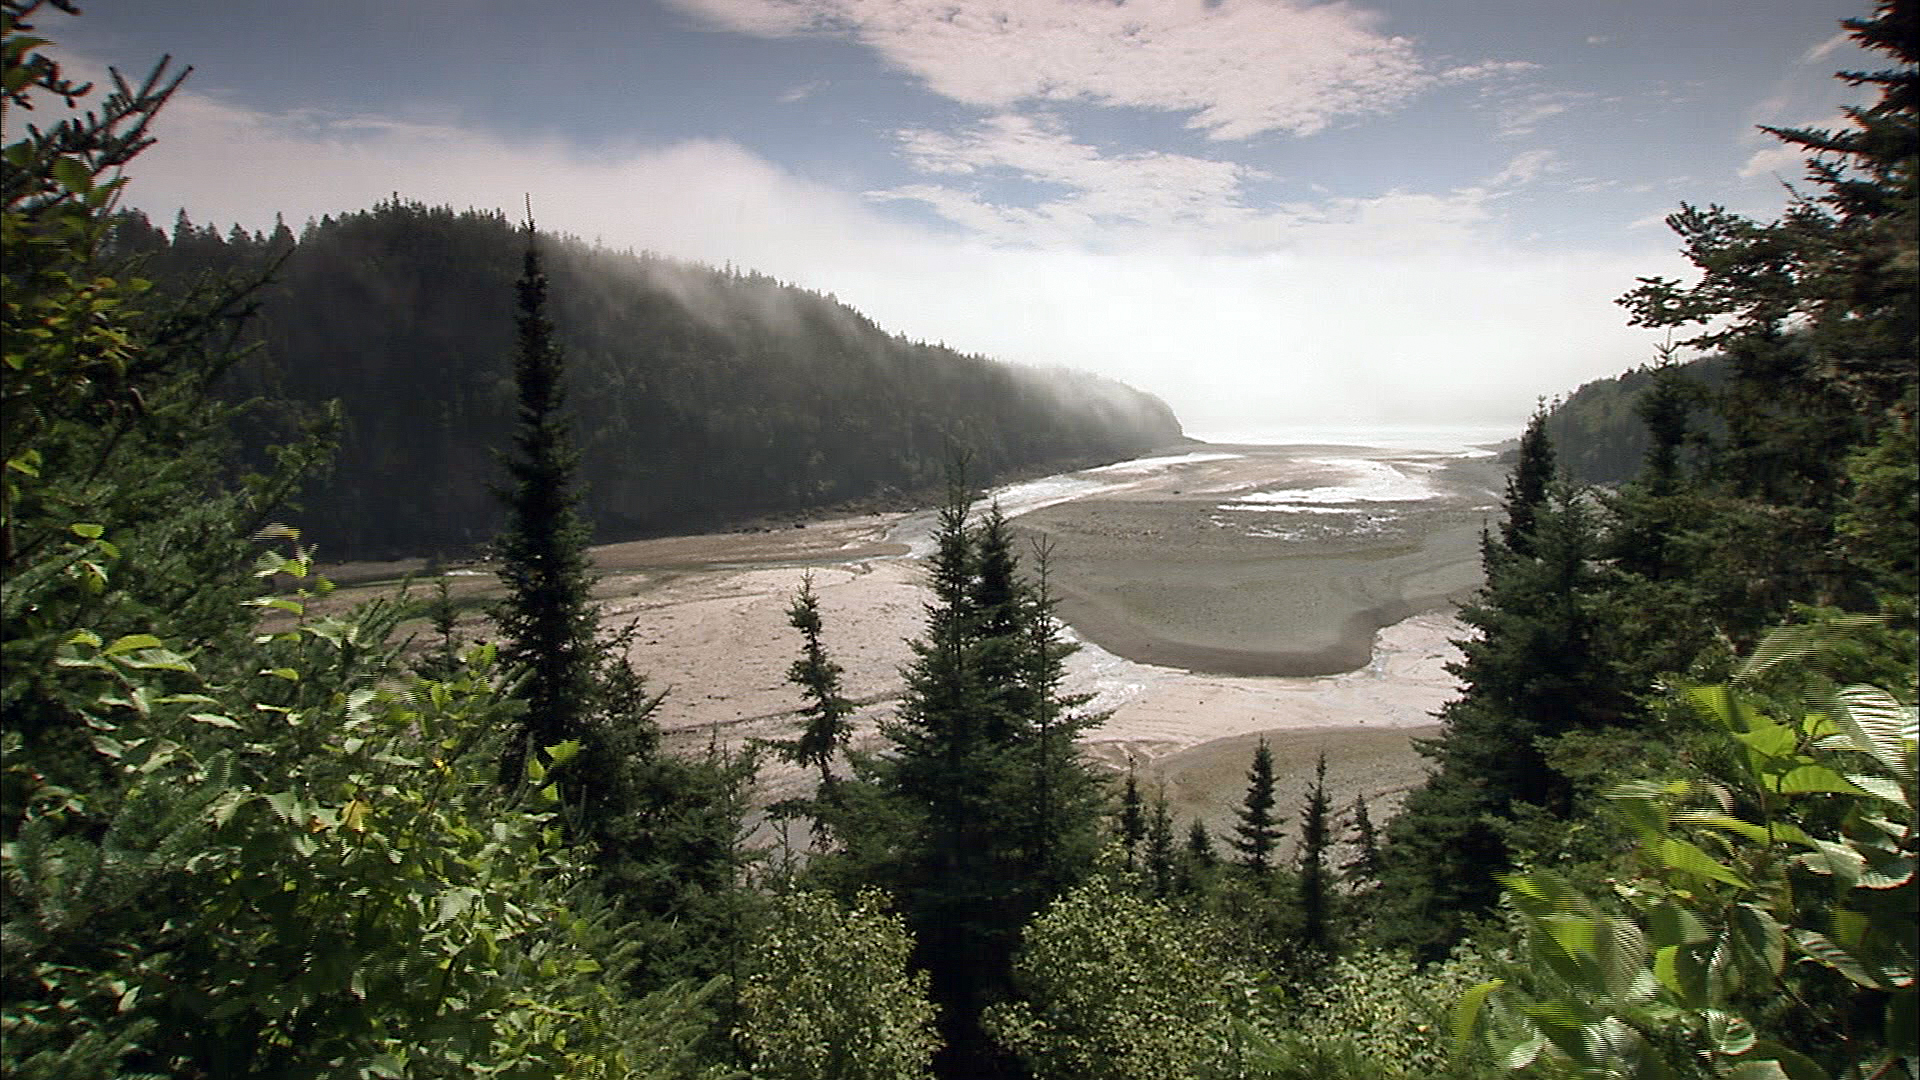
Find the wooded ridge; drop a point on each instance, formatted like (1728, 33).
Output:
(699, 397)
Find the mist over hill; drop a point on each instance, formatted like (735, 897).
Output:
(700, 396)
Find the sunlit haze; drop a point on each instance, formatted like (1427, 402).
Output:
(1270, 213)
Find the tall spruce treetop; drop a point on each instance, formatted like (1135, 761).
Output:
(1527, 484)
(1258, 833)
(1316, 877)
(548, 621)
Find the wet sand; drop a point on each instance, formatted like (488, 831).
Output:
(1164, 575)
(1326, 626)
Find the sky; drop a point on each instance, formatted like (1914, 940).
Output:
(1273, 214)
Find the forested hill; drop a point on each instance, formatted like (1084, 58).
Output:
(699, 396)
(1598, 433)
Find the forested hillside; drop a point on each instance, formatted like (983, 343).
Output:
(699, 396)
(1669, 830)
(1599, 430)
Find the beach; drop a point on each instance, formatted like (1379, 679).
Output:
(1221, 594)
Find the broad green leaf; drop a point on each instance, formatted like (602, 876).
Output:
(1679, 969)
(1671, 923)
(1880, 788)
(1788, 643)
(1880, 726)
(87, 530)
(1838, 860)
(1758, 936)
(72, 174)
(1793, 1064)
(1731, 1034)
(1687, 859)
(281, 603)
(1466, 1013)
(454, 903)
(1623, 959)
(1885, 870)
(1770, 739)
(131, 642)
(213, 720)
(1756, 1070)
(1517, 1054)
(1808, 779)
(157, 659)
(285, 806)
(1714, 819)
(1824, 952)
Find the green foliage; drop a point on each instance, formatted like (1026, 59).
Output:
(827, 711)
(240, 839)
(1258, 833)
(1315, 889)
(1785, 875)
(1132, 823)
(1377, 1014)
(830, 994)
(1877, 522)
(1527, 486)
(1160, 861)
(548, 620)
(305, 872)
(1603, 433)
(1117, 986)
(702, 397)
(1542, 666)
(980, 812)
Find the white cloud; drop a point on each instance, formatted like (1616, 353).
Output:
(1402, 307)
(1519, 116)
(802, 92)
(1133, 202)
(1827, 48)
(1153, 189)
(1237, 67)
(1781, 160)
(1526, 168)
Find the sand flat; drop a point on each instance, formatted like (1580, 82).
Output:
(1209, 621)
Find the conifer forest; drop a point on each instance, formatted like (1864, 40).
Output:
(1667, 827)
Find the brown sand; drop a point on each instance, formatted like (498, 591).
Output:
(1335, 642)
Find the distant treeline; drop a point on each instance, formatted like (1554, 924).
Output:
(700, 397)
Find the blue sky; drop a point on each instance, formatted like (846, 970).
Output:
(1269, 212)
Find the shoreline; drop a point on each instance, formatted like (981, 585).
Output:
(1337, 636)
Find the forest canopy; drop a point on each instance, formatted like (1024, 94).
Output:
(699, 396)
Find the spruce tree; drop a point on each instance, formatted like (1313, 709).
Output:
(827, 710)
(1527, 484)
(1198, 860)
(547, 622)
(1363, 870)
(663, 832)
(1316, 836)
(979, 813)
(1133, 816)
(1258, 833)
(1160, 857)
